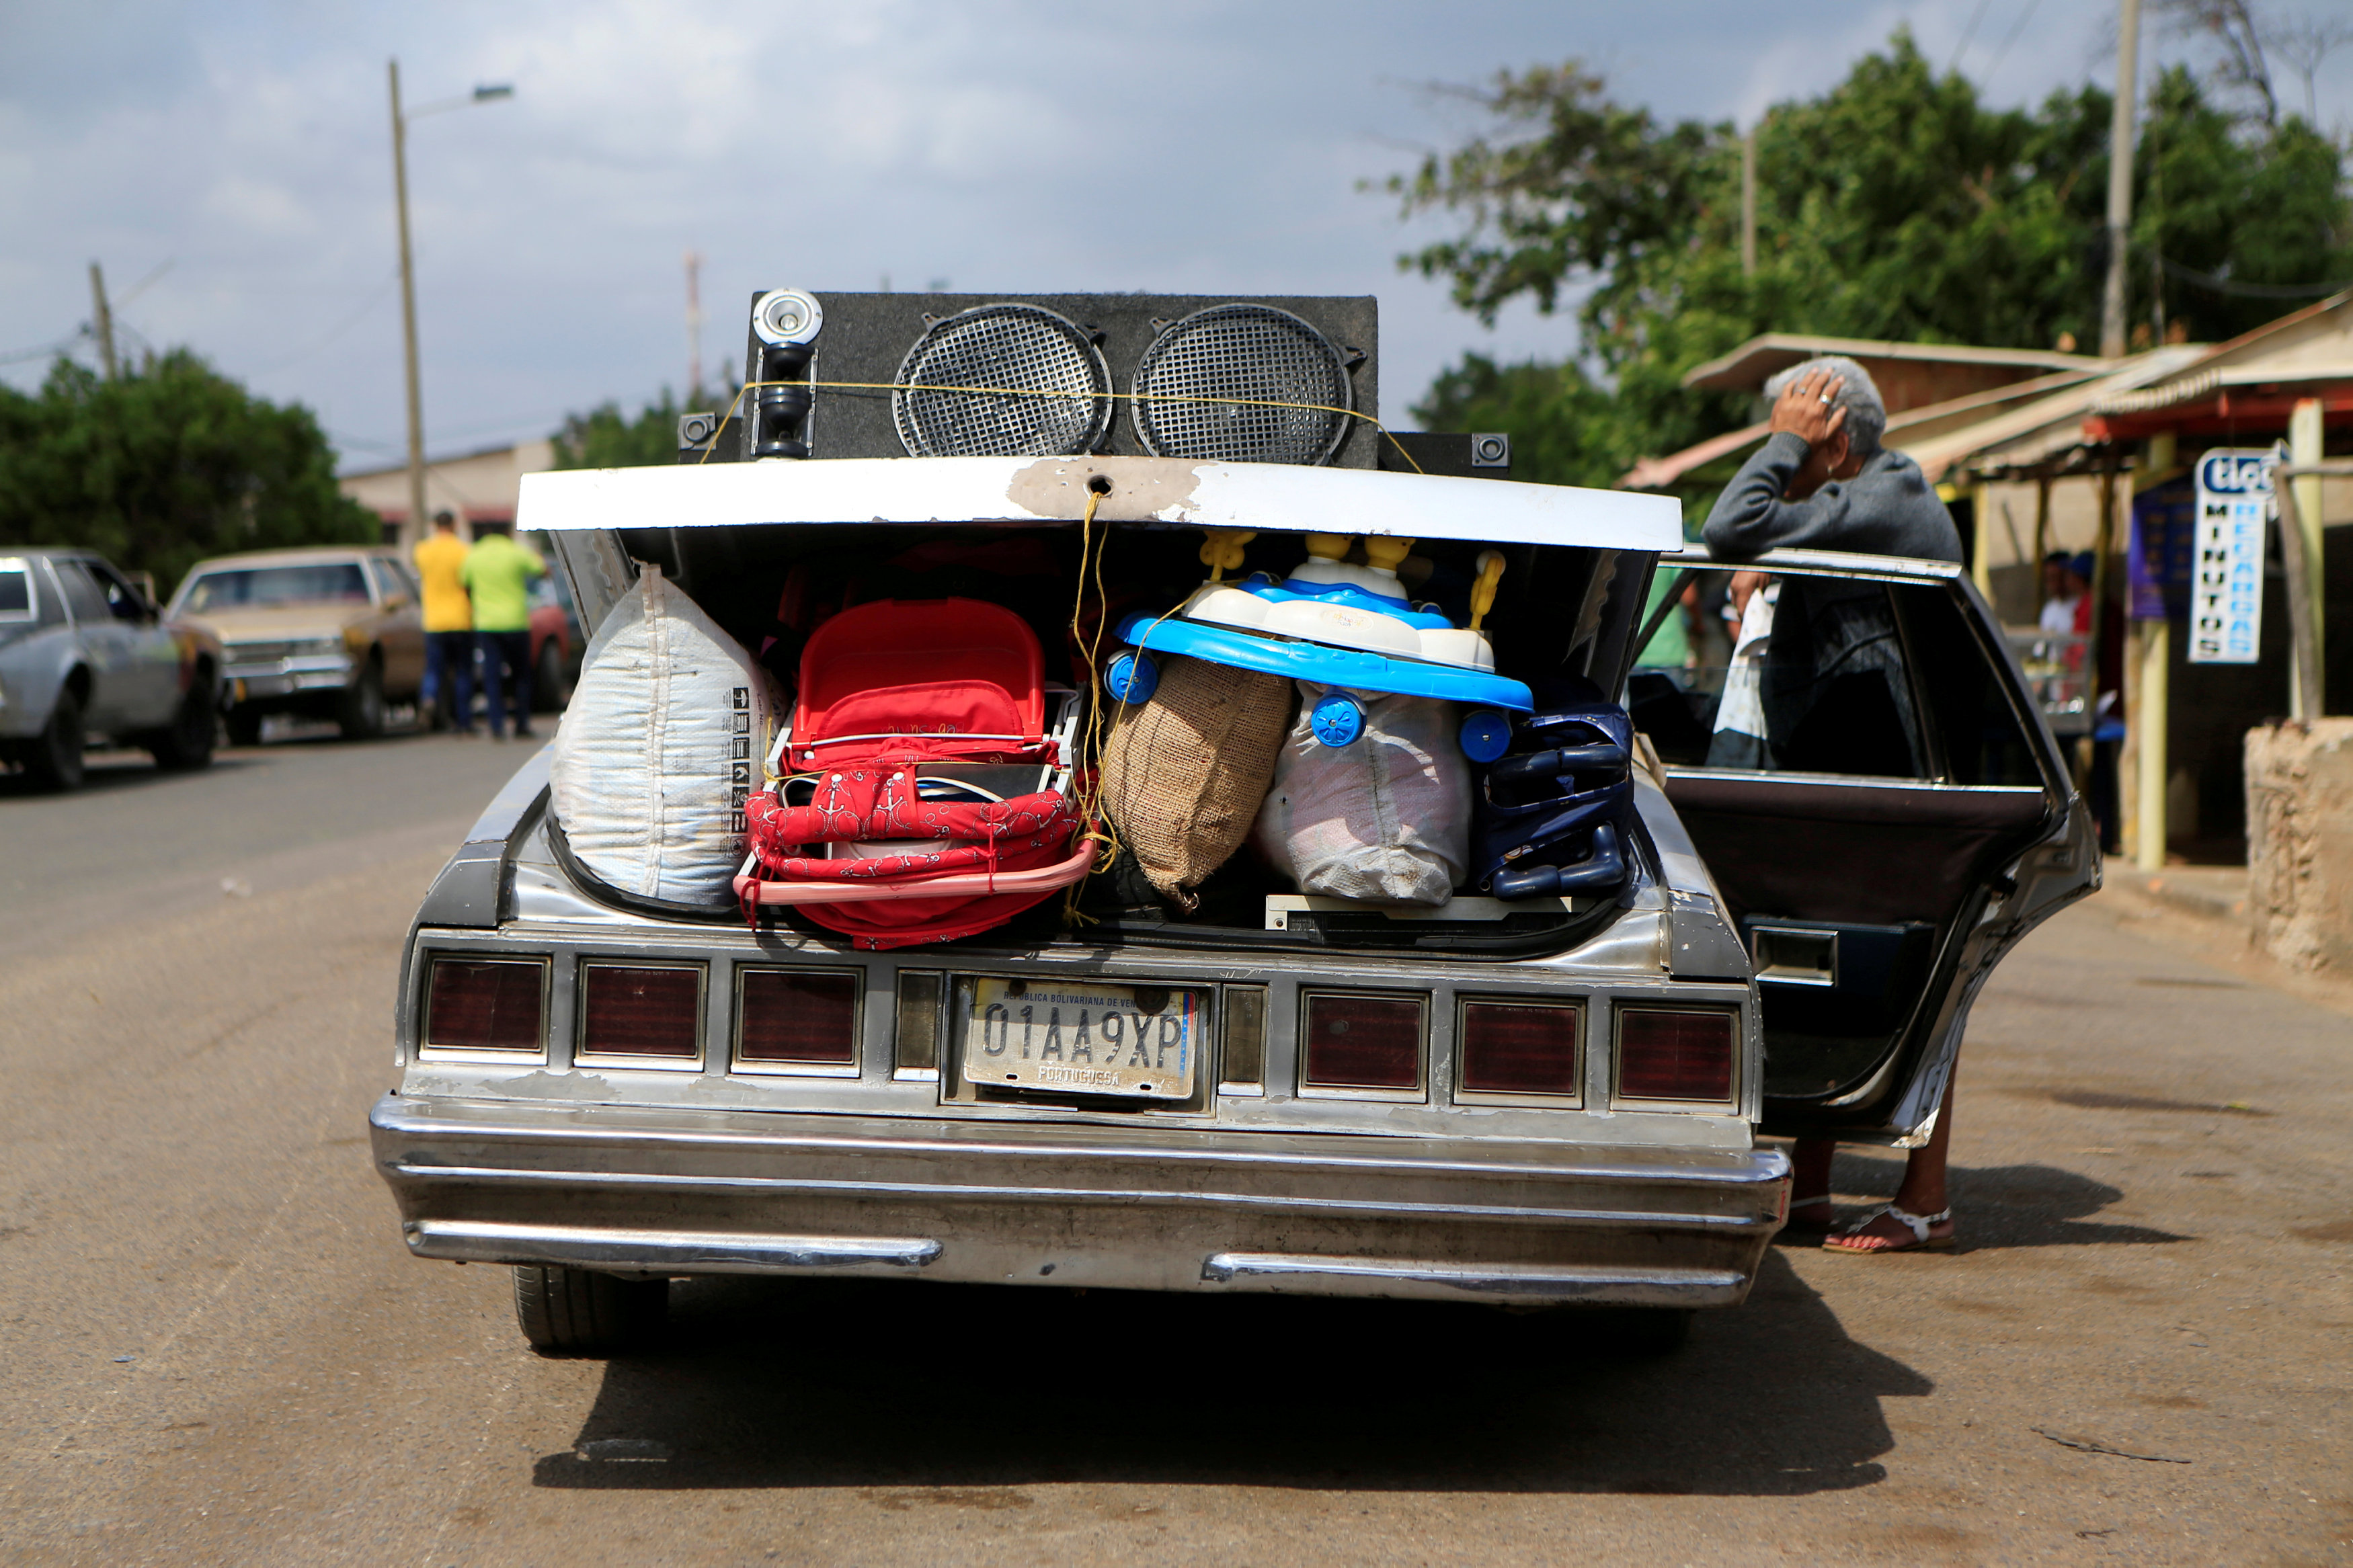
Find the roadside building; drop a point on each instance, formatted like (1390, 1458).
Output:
(480, 487)
(2066, 455)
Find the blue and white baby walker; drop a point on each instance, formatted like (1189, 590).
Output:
(1341, 629)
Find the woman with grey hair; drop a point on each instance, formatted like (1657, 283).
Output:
(1823, 481)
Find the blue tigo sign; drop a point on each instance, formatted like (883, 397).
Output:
(2164, 546)
(2226, 595)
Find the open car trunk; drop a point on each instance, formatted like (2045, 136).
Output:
(1562, 619)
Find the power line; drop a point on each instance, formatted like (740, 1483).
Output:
(1968, 37)
(375, 299)
(2249, 290)
(142, 285)
(18, 356)
(2015, 28)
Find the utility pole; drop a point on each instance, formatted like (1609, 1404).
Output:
(484, 94)
(1749, 203)
(694, 329)
(101, 320)
(408, 316)
(2120, 177)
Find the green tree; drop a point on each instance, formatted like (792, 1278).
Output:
(604, 437)
(1895, 205)
(166, 464)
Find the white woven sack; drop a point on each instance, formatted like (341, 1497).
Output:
(1385, 818)
(659, 748)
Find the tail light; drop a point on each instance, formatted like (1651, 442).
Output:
(1361, 1042)
(915, 1053)
(1242, 1064)
(477, 1005)
(1665, 1055)
(792, 1018)
(629, 1010)
(1520, 1048)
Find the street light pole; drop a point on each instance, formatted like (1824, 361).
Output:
(415, 529)
(408, 280)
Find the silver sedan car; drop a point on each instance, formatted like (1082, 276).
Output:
(85, 654)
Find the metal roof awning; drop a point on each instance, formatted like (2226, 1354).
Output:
(1748, 365)
(1026, 491)
(1907, 432)
(2048, 429)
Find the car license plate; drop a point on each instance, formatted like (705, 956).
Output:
(1141, 1041)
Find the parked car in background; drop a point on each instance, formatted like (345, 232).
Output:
(325, 632)
(84, 653)
(555, 645)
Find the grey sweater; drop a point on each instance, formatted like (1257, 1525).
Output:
(1889, 509)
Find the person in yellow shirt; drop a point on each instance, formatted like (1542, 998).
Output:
(449, 625)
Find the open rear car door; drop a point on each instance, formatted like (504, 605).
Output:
(1883, 810)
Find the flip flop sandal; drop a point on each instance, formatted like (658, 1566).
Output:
(1807, 1227)
(1918, 1224)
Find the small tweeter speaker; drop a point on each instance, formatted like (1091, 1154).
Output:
(1039, 386)
(1242, 383)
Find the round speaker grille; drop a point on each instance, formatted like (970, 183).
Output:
(1052, 396)
(1259, 356)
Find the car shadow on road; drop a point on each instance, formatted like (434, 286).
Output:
(781, 1383)
(2007, 1206)
(110, 774)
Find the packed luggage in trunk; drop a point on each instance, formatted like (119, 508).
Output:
(1083, 733)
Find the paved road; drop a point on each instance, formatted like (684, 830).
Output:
(213, 1350)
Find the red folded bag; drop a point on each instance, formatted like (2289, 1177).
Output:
(885, 688)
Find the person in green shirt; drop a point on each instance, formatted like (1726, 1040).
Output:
(497, 574)
(1670, 646)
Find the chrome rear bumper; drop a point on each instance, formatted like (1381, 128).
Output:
(673, 1191)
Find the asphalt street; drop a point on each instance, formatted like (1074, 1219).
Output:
(214, 1348)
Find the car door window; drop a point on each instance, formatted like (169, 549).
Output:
(1854, 773)
(1817, 680)
(16, 592)
(82, 593)
(123, 602)
(388, 585)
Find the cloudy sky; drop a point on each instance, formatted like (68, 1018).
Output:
(228, 162)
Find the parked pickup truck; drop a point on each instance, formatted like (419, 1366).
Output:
(1541, 1101)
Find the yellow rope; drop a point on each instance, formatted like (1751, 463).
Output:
(1087, 766)
(1042, 392)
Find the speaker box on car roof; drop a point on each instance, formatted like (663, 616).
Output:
(891, 375)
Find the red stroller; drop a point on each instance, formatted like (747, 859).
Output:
(924, 790)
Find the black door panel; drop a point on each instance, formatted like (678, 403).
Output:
(1822, 850)
(1859, 779)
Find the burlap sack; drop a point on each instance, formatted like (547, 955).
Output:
(1182, 774)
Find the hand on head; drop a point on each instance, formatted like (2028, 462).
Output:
(1807, 410)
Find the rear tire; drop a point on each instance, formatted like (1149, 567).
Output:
(362, 711)
(188, 745)
(574, 1311)
(54, 757)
